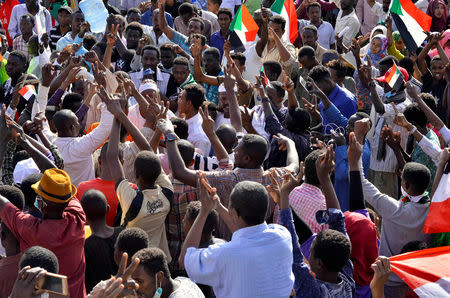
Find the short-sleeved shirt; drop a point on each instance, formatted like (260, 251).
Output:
(325, 33)
(186, 288)
(8, 274)
(153, 212)
(230, 4)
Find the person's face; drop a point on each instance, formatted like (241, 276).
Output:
(240, 157)
(186, 224)
(64, 18)
(133, 37)
(223, 104)
(306, 62)
(195, 27)
(333, 74)
(351, 124)
(324, 85)
(210, 62)
(346, 4)
(134, 17)
(150, 59)
(386, 4)
(180, 73)
(167, 57)
(314, 13)
(437, 69)
(272, 94)
(439, 11)
(182, 103)
(375, 46)
(309, 38)
(383, 69)
(224, 21)
(240, 66)
(147, 283)
(155, 22)
(77, 20)
(31, 4)
(186, 17)
(399, 45)
(211, 6)
(26, 27)
(75, 126)
(277, 28)
(14, 67)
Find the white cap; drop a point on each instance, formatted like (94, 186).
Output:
(222, 88)
(148, 85)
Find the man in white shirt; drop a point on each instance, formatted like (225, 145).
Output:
(190, 100)
(347, 18)
(325, 31)
(40, 13)
(77, 151)
(257, 262)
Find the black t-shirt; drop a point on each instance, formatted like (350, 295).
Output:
(437, 90)
(99, 254)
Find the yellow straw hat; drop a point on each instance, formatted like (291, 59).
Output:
(55, 186)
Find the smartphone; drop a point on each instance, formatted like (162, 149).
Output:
(54, 283)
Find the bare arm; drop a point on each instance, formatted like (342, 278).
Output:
(112, 154)
(261, 44)
(324, 166)
(208, 128)
(162, 20)
(235, 112)
(200, 77)
(431, 116)
(284, 53)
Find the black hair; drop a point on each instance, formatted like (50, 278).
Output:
(131, 240)
(250, 200)
(135, 26)
(61, 120)
(273, 67)
(167, 46)
(227, 136)
(197, 19)
(186, 8)
(89, 41)
(214, 52)
(181, 61)
(413, 246)
(278, 20)
(187, 151)
(72, 101)
(297, 120)
(310, 28)
(339, 66)
(310, 167)
(333, 248)
(239, 57)
(14, 195)
(278, 86)
(313, 4)
(306, 51)
(29, 193)
(212, 221)
(38, 256)
(30, 17)
(429, 101)
(408, 64)
(388, 61)
(94, 204)
(19, 156)
(329, 55)
(255, 147)
(133, 10)
(417, 175)
(154, 260)
(319, 73)
(22, 57)
(182, 129)
(148, 166)
(195, 93)
(201, 37)
(151, 48)
(218, 2)
(415, 115)
(225, 10)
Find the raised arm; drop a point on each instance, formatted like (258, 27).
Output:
(235, 112)
(324, 166)
(162, 20)
(282, 50)
(432, 40)
(179, 170)
(261, 44)
(356, 195)
(292, 161)
(208, 128)
(289, 87)
(200, 77)
(114, 165)
(111, 38)
(443, 160)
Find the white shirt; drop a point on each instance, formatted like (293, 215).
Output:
(231, 4)
(325, 33)
(197, 136)
(253, 63)
(257, 262)
(350, 20)
(21, 9)
(162, 79)
(157, 41)
(77, 152)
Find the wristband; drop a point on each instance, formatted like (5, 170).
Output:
(413, 130)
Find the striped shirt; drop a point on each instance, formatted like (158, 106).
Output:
(55, 35)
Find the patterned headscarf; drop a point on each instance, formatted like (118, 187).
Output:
(375, 58)
(437, 25)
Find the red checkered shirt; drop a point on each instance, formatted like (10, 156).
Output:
(306, 200)
(19, 44)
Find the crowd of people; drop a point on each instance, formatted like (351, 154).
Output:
(155, 159)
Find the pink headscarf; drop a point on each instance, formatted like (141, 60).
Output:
(437, 25)
(443, 41)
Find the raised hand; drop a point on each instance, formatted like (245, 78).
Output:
(274, 188)
(144, 6)
(196, 48)
(382, 270)
(247, 118)
(165, 126)
(338, 138)
(142, 43)
(75, 61)
(311, 108)
(226, 50)
(391, 138)
(48, 74)
(282, 141)
(313, 89)
(208, 195)
(288, 83)
(99, 75)
(111, 37)
(361, 129)
(229, 81)
(112, 104)
(260, 87)
(208, 122)
(400, 119)
(325, 162)
(17, 133)
(125, 273)
(354, 150)
(5, 130)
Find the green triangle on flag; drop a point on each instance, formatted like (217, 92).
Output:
(396, 7)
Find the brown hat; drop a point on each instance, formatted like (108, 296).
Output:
(55, 186)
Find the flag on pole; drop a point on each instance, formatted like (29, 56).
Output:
(266, 79)
(411, 22)
(28, 92)
(286, 9)
(437, 220)
(395, 77)
(242, 29)
(426, 272)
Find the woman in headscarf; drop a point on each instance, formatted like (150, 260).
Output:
(438, 11)
(398, 41)
(377, 49)
(445, 44)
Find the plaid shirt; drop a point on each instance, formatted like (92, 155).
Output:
(224, 182)
(8, 166)
(182, 195)
(19, 44)
(306, 200)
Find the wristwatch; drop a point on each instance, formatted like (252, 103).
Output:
(171, 136)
